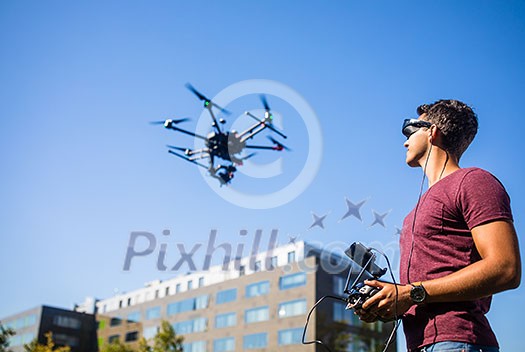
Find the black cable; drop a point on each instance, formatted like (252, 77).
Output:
(319, 342)
(396, 318)
(415, 213)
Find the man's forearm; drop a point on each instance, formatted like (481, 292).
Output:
(480, 279)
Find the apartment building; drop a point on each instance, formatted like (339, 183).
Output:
(256, 303)
(69, 328)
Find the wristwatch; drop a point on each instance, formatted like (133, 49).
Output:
(418, 294)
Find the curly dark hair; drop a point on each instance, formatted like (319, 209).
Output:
(456, 120)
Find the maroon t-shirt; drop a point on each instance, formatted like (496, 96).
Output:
(443, 244)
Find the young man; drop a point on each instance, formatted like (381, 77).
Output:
(458, 245)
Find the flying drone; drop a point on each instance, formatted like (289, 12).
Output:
(221, 144)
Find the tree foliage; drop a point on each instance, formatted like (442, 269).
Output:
(332, 333)
(48, 347)
(167, 340)
(143, 346)
(5, 334)
(115, 346)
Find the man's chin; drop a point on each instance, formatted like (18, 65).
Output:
(412, 163)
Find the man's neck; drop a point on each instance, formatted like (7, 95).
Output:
(440, 165)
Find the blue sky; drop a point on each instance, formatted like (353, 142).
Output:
(82, 169)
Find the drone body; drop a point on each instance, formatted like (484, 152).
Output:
(225, 145)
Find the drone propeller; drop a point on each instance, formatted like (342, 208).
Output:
(265, 102)
(187, 159)
(207, 101)
(248, 156)
(176, 121)
(278, 146)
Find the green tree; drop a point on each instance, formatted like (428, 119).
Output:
(5, 334)
(143, 346)
(333, 333)
(48, 347)
(166, 340)
(115, 346)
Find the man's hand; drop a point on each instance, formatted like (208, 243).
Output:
(381, 306)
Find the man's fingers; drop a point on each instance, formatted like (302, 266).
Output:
(366, 316)
(374, 283)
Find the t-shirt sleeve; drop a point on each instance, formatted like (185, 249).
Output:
(482, 198)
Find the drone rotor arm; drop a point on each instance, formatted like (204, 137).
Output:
(179, 148)
(187, 159)
(186, 132)
(275, 130)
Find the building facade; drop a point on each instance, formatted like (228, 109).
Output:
(257, 303)
(69, 328)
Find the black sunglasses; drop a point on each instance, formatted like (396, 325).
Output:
(411, 126)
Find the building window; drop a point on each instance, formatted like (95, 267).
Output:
(66, 322)
(292, 308)
(120, 304)
(190, 326)
(156, 294)
(201, 302)
(254, 341)
(343, 315)
(242, 270)
(188, 305)
(258, 289)
(273, 262)
(225, 320)
(153, 313)
(291, 257)
(30, 320)
(190, 285)
(292, 280)
(224, 345)
(201, 281)
(226, 296)
(257, 266)
(290, 336)
(66, 340)
(22, 322)
(255, 315)
(167, 293)
(115, 321)
(149, 333)
(133, 316)
(129, 301)
(339, 284)
(113, 338)
(177, 288)
(132, 336)
(19, 340)
(196, 346)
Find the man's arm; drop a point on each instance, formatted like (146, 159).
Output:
(499, 269)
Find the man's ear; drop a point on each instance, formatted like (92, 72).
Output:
(433, 133)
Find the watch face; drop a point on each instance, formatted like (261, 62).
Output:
(418, 294)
